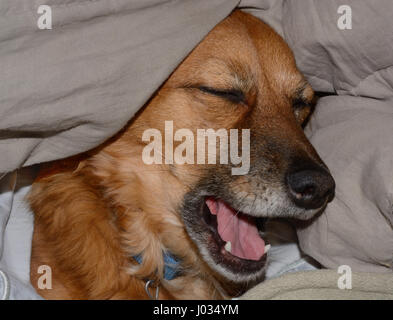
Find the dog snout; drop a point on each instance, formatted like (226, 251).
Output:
(310, 187)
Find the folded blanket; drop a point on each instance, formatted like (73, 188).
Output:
(323, 285)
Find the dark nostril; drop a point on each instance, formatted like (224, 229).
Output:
(311, 188)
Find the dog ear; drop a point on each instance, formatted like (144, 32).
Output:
(65, 165)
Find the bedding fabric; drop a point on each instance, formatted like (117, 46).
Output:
(323, 285)
(353, 131)
(66, 90)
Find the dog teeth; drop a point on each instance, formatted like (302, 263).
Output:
(228, 246)
(267, 248)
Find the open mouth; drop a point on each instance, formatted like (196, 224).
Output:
(235, 241)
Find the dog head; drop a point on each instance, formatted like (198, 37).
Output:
(242, 76)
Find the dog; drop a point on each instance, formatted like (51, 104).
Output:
(110, 226)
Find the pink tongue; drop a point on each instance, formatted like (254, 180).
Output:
(239, 229)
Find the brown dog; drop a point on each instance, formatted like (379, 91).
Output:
(106, 221)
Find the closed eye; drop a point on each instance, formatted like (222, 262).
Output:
(233, 95)
(299, 103)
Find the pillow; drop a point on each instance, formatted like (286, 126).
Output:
(352, 131)
(354, 137)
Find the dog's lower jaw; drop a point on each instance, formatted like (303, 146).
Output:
(232, 280)
(234, 275)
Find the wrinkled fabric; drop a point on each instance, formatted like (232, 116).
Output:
(16, 231)
(353, 131)
(11, 288)
(66, 90)
(354, 137)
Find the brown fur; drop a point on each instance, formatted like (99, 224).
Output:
(93, 213)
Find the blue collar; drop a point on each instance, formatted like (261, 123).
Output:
(171, 265)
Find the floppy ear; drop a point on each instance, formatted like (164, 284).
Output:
(60, 166)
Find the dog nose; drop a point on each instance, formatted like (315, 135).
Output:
(311, 188)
